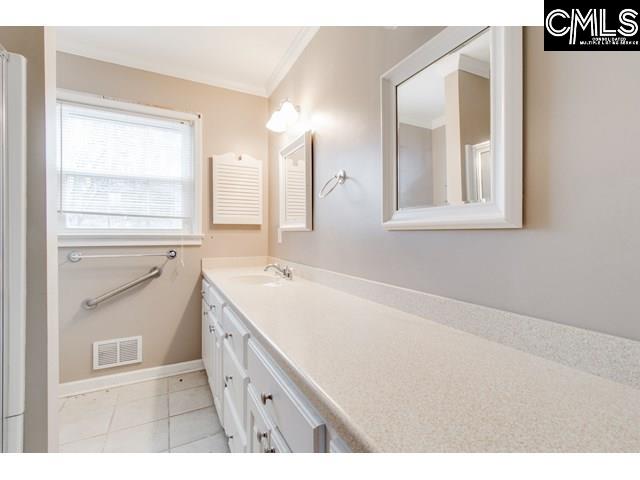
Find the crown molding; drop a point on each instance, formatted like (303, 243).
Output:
(125, 60)
(296, 48)
(119, 58)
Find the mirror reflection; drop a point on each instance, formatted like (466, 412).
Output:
(444, 130)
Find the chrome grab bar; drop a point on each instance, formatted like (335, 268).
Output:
(76, 256)
(91, 303)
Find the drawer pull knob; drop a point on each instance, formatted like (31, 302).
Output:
(260, 435)
(227, 378)
(264, 397)
(228, 335)
(270, 450)
(212, 329)
(206, 313)
(212, 308)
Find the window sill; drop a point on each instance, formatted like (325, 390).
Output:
(123, 240)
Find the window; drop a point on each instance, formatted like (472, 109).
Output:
(128, 173)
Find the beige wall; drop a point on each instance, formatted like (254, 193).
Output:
(452, 136)
(166, 311)
(415, 166)
(575, 262)
(36, 44)
(439, 155)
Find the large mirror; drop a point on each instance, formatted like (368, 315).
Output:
(452, 132)
(295, 169)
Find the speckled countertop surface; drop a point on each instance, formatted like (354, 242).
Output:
(402, 383)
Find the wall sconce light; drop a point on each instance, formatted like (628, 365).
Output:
(284, 117)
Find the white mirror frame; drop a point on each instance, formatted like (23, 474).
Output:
(303, 141)
(505, 211)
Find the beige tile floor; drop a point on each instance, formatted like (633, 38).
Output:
(174, 414)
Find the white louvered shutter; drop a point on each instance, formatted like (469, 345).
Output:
(237, 189)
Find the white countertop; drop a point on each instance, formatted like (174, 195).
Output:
(403, 383)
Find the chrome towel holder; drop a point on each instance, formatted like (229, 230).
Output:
(337, 179)
(75, 256)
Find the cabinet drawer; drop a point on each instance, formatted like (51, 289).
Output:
(236, 334)
(235, 379)
(233, 427)
(286, 408)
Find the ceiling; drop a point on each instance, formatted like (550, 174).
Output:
(248, 59)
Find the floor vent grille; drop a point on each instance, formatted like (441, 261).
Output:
(117, 352)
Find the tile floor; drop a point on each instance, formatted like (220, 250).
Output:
(173, 414)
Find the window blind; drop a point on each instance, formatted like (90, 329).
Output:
(123, 170)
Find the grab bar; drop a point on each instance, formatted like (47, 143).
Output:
(76, 256)
(91, 303)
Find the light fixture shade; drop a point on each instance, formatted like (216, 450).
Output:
(289, 112)
(277, 122)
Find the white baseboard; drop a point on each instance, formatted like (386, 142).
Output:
(119, 379)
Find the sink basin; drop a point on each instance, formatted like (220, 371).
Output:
(264, 280)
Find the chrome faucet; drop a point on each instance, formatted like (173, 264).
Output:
(283, 271)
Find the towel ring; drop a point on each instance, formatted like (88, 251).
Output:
(337, 179)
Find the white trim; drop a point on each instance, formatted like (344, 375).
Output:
(115, 240)
(95, 100)
(505, 211)
(290, 57)
(67, 237)
(119, 379)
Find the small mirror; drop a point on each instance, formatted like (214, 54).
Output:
(444, 129)
(296, 184)
(452, 146)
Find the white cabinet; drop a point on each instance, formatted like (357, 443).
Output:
(262, 436)
(235, 380)
(260, 408)
(212, 336)
(207, 339)
(285, 406)
(216, 380)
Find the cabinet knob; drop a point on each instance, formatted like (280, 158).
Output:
(228, 335)
(261, 435)
(264, 397)
(227, 378)
(212, 329)
(206, 313)
(213, 308)
(270, 450)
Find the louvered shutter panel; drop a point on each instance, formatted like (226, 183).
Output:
(237, 189)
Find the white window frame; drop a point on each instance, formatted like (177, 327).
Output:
(68, 238)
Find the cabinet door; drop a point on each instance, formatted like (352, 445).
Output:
(206, 340)
(257, 431)
(217, 379)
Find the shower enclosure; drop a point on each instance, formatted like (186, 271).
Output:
(12, 248)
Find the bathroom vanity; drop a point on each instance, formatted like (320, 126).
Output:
(259, 406)
(295, 365)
